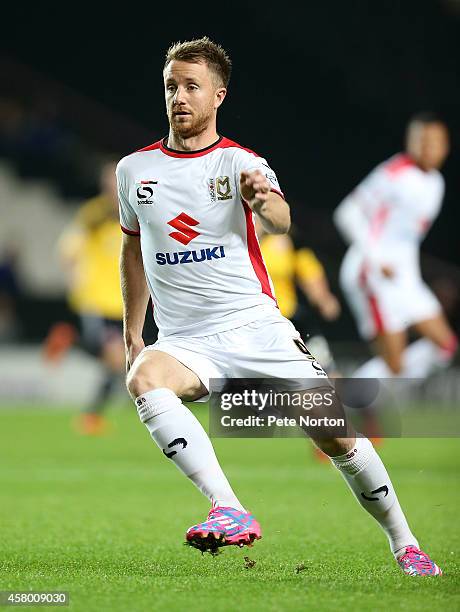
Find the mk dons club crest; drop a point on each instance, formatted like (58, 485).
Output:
(220, 188)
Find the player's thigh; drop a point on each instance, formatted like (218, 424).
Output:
(436, 329)
(390, 346)
(157, 370)
(273, 348)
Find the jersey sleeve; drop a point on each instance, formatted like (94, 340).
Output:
(360, 216)
(307, 265)
(352, 219)
(128, 218)
(250, 162)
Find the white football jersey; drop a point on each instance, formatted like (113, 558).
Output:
(389, 213)
(200, 252)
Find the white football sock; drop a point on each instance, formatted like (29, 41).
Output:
(183, 440)
(367, 477)
(419, 360)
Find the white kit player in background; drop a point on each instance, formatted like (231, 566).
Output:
(385, 219)
(187, 205)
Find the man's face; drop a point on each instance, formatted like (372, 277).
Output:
(192, 97)
(428, 144)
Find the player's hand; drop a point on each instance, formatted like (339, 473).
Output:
(329, 308)
(387, 271)
(255, 188)
(132, 351)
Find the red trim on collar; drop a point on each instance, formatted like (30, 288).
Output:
(221, 143)
(183, 154)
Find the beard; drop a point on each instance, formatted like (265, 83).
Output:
(194, 126)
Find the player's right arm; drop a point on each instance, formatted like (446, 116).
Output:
(135, 295)
(134, 288)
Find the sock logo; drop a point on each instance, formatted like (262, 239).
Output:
(175, 442)
(374, 492)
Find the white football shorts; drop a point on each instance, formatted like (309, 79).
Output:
(386, 305)
(267, 348)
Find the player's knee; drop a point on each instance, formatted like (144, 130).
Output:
(335, 447)
(140, 380)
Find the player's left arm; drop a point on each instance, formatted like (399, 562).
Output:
(312, 280)
(270, 207)
(321, 297)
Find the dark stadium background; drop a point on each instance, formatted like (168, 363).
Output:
(323, 90)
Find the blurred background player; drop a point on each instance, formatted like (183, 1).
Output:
(296, 273)
(385, 219)
(90, 250)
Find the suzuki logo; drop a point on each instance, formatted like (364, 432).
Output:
(185, 233)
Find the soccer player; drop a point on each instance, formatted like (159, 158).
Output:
(384, 219)
(90, 249)
(187, 205)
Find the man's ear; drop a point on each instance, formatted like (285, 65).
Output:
(219, 97)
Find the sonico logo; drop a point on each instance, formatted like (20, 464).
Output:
(145, 192)
(183, 257)
(182, 223)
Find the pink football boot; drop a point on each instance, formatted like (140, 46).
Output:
(415, 562)
(224, 527)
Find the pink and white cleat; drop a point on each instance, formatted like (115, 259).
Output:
(415, 562)
(224, 527)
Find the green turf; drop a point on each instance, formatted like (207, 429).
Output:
(104, 518)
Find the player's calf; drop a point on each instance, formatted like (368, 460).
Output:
(155, 381)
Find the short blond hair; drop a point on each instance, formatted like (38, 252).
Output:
(202, 50)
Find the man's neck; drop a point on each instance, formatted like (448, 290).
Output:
(195, 143)
(416, 162)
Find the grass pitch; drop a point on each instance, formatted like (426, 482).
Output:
(104, 518)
